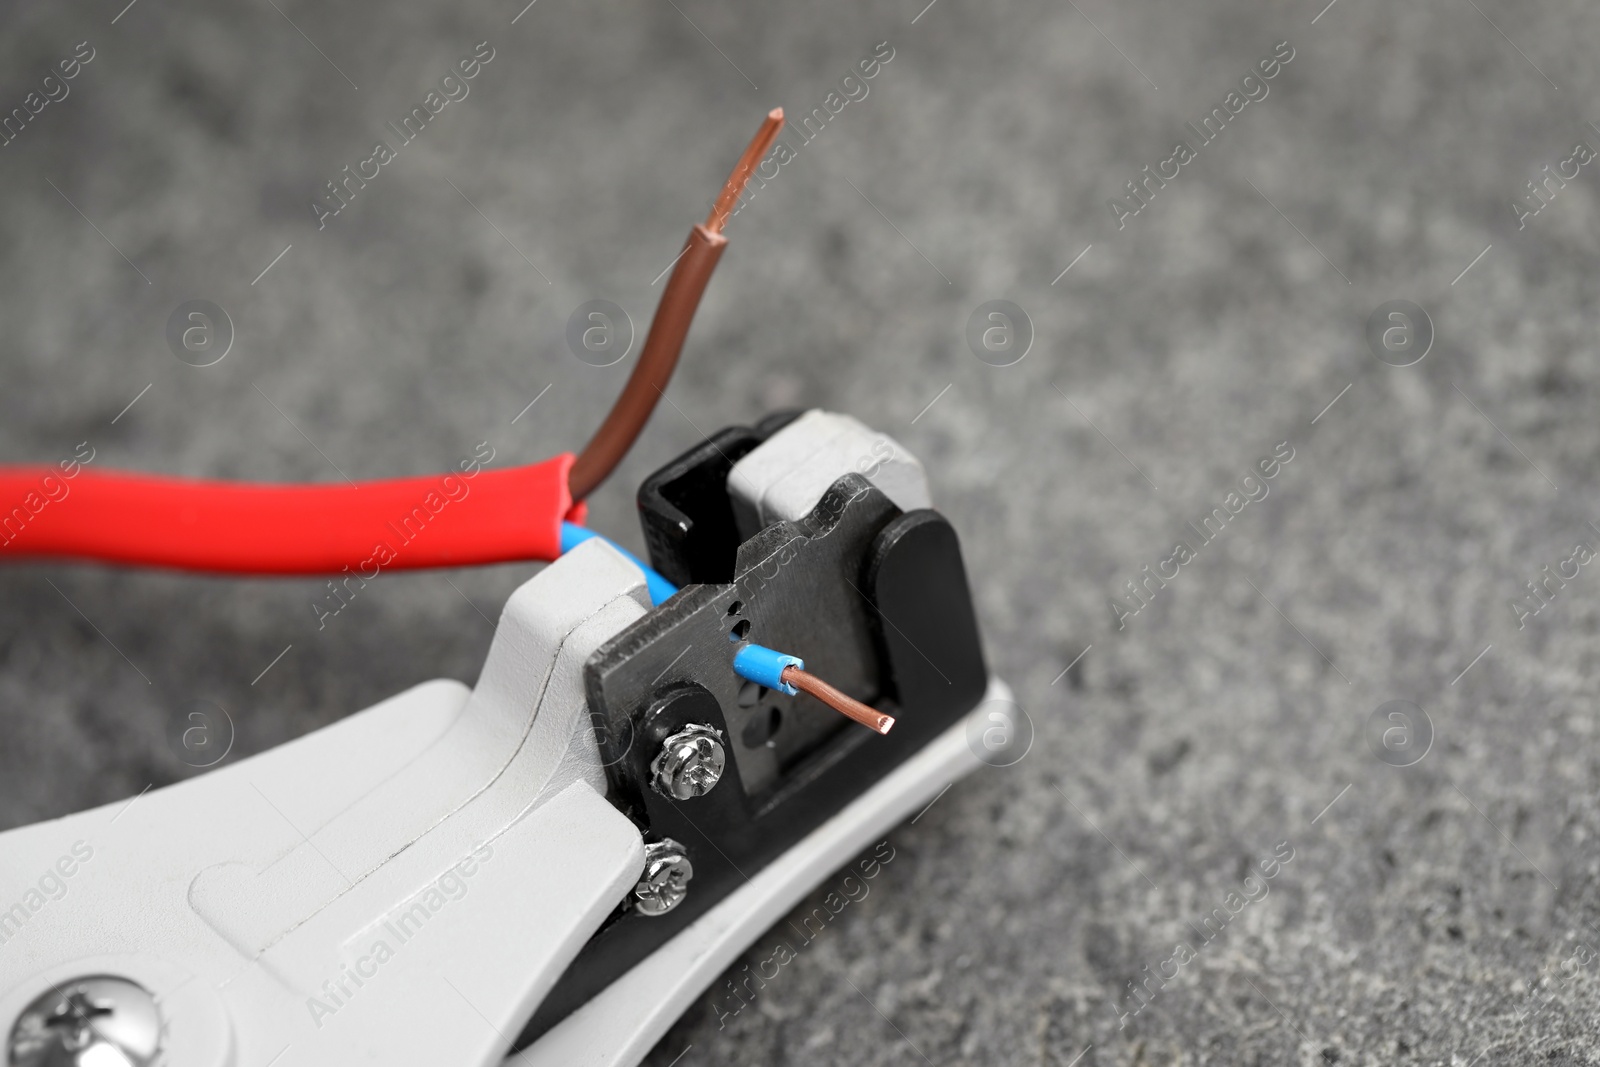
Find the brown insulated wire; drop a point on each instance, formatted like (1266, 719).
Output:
(669, 328)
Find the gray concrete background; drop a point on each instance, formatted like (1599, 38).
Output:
(1425, 916)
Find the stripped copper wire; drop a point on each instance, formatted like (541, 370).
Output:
(846, 705)
(754, 153)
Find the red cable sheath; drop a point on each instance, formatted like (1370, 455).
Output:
(436, 520)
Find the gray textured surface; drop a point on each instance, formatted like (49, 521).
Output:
(1424, 918)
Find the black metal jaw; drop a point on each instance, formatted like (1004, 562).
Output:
(874, 599)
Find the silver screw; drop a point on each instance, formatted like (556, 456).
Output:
(97, 1019)
(690, 763)
(665, 881)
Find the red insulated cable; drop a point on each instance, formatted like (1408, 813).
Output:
(437, 520)
(448, 520)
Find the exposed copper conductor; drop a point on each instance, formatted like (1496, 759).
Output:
(759, 145)
(845, 705)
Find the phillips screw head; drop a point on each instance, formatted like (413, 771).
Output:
(96, 1019)
(690, 762)
(665, 881)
